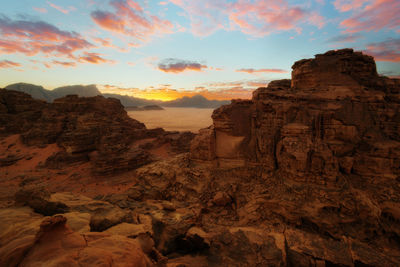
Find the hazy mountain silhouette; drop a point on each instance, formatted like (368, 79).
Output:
(130, 101)
(196, 101)
(80, 90)
(38, 92)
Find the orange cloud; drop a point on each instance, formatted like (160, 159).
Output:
(9, 64)
(177, 65)
(64, 64)
(130, 19)
(251, 71)
(371, 15)
(61, 9)
(258, 84)
(94, 58)
(106, 42)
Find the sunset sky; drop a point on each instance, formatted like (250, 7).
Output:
(164, 49)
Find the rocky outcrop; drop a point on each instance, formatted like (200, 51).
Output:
(92, 129)
(304, 174)
(55, 244)
(336, 116)
(325, 148)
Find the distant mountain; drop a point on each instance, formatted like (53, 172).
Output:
(35, 91)
(39, 92)
(130, 101)
(196, 101)
(80, 90)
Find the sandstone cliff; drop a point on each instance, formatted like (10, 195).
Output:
(336, 116)
(93, 129)
(304, 174)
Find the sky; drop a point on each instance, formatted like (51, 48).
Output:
(166, 49)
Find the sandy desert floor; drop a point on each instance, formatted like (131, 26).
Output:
(175, 119)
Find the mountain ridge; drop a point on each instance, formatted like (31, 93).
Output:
(39, 92)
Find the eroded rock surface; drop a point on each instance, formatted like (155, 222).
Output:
(336, 116)
(92, 129)
(304, 174)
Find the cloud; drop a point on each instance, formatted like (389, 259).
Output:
(106, 42)
(214, 90)
(175, 65)
(345, 38)
(33, 37)
(371, 15)
(256, 18)
(388, 50)
(40, 9)
(206, 16)
(39, 37)
(9, 64)
(64, 63)
(258, 83)
(94, 58)
(255, 71)
(347, 5)
(130, 19)
(61, 9)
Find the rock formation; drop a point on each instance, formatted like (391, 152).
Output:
(330, 138)
(307, 173)
(336, 116)
(92, 129)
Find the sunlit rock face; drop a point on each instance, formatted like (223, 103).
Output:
(335, 116)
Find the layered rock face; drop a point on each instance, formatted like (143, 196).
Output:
(304, 174)
(92, 129)
(336, 116)
(323, 153)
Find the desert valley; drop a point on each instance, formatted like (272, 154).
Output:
(306, 173)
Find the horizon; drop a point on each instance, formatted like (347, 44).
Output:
(164, 50)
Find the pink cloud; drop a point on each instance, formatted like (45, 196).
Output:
(254, 71)
(347, 5)
(130, 19)
(388, 50)
(257, 18)
(174, 65)
(9, 64)
(372, 15)
(40, 9)
(206, 16)
(62, 9)
(33, 37)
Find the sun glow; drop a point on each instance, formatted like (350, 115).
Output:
(167, 94)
